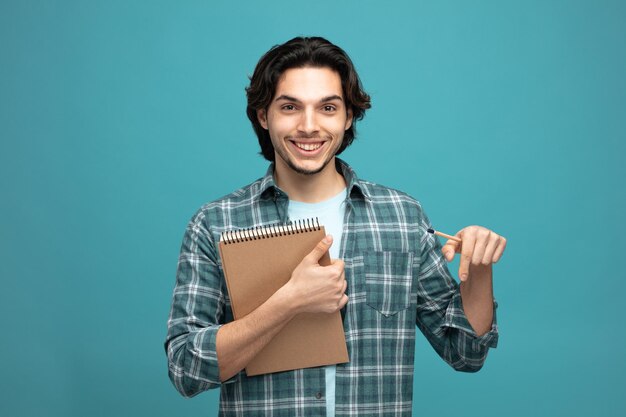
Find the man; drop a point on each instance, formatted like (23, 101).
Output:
(388, 274)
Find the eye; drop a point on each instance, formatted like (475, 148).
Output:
(329, 108)
(288, 107)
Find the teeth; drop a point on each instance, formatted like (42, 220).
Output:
(308, 146)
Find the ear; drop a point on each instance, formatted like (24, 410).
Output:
(261, 115)
(349, 119)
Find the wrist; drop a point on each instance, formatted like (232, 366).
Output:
(287, 300)
(479, 284)
(480, 271)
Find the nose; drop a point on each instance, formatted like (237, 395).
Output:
(308, 123)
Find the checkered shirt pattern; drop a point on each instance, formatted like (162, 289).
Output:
(397, 281)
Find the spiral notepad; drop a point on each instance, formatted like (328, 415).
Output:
(256, 263)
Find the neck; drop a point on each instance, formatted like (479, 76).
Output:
(311, 188)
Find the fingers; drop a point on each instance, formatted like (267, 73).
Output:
(344, 298)
(496, 243)
(450, 248)
(467, 251)
(338, 263)
(320, 249)
(337, 266)
(498, 252)
(480, 246)
(343, 302)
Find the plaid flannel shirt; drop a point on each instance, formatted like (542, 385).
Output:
(397, 281)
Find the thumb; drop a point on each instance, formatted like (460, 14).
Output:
(320, 249)
(449, 249)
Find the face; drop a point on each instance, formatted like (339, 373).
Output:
(306, 119)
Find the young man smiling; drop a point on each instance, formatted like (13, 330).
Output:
(306, 123)
(388, 275)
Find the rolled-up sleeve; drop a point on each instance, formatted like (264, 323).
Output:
(196, 314)
(440, 314)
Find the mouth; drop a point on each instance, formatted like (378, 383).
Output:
(307, 148)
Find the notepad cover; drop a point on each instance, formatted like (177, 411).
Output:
(254, 271)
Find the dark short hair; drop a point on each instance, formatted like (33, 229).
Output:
(298, 53)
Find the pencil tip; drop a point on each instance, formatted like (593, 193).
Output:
(430, 230)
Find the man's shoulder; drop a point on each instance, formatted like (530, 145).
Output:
(388, 204)
(382, 194)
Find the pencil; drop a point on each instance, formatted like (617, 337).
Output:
(456, 239)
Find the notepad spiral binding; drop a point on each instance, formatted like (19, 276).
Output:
(269, 231)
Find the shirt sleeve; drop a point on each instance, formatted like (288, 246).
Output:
(440, 314)
(196, 314)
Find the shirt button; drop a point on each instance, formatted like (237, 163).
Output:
(318, 395)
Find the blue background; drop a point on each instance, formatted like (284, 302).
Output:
(119, 119)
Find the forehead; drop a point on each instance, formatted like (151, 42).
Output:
(309, 83)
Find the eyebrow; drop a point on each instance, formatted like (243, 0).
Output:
(295, 100)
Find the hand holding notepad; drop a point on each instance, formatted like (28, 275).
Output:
(317, 288)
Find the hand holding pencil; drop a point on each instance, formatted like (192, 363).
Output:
(477, 246)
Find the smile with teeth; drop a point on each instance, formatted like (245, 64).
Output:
(308, 146)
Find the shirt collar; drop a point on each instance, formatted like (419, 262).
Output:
(355, 188)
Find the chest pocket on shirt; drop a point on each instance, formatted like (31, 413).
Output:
(388, 280)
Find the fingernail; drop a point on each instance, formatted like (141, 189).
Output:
(328, 239)
(463, 277)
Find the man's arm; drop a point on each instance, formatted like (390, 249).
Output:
(202, 351)
(480, 249)
(197, 312)
(442, 314)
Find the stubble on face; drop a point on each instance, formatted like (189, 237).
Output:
(281, 152)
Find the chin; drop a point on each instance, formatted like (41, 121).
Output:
(306, 168)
